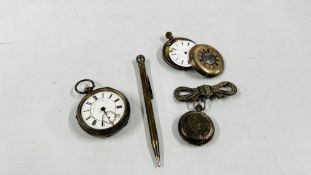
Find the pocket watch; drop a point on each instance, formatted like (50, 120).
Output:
(196, 127)
(184, 54)
(176, 52)
(102, 111)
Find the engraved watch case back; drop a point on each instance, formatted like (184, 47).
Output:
(196, 128)
(206, 60)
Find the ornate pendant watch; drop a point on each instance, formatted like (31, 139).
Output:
(182, 53)
(103, 111)
(195, 126)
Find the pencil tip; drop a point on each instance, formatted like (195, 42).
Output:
(158, 161)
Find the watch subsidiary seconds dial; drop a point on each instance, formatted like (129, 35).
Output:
(183, 53)
(176, 52)
(103, 111)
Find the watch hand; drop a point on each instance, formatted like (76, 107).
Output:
(103, 120)
(105, 113)
(104, 110)
(103, 117)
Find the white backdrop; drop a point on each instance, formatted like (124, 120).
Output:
(47, 46)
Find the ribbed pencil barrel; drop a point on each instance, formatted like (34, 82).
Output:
(148, 96)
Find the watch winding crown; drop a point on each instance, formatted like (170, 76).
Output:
(169, 35)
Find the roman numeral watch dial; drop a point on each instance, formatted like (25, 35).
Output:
(184, 54)
(176, 52)
(103, 111)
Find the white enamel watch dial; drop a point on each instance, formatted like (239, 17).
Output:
(103, 110)
(179, 52)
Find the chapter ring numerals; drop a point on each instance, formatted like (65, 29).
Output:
(179, 52)
(102, 110)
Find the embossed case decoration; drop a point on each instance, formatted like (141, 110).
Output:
(196, 127)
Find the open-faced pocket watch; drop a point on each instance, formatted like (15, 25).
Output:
(102, 111)
(184, 54)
